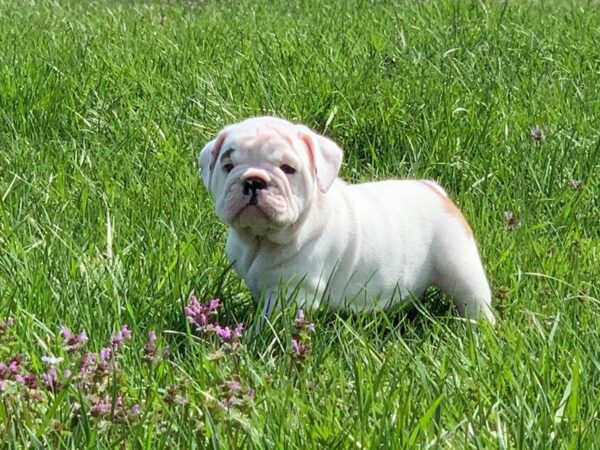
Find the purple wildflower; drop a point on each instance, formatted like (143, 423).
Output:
(51, 379)
(14, 365)
(135, 411)
(105, 354)
(300, 315)
(295, 345)
(302, 324)
(227, 334)
(300, 350)
(118, 339)
(101, 407)
(4, 326)
(30, 381)
(103, 363)
(13, 370)
(234, 386)
(88, 363)
(150, 351)
(173, 396)
(72, 341)
(200, 314)
(235, 395)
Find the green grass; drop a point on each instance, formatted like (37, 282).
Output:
(104, 107)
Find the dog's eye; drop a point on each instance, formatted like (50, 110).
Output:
(287, 169)
(228, 167)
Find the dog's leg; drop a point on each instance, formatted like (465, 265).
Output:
(269, 302)
(461, 276)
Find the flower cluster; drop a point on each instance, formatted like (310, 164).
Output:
(94, 387)
(14, 371)
(90, 373)
(235, 395)
(151, 352)
(73, 342)
(115, 408)
(203, 316)
(301, 338)
(5, 326)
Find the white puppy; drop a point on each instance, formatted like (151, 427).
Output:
(293, 223)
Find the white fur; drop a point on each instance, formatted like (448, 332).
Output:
(362, 246)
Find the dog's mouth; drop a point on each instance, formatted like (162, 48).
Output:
(253, 199)
(258, 209)
(252, 208)
(252, 216)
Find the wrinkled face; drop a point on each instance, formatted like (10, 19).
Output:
(263, 173)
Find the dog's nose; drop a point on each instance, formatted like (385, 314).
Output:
(254, 184)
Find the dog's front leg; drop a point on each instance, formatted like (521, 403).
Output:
(278, 298)
(270, 298)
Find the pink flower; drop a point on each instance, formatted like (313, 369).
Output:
(13, 371)
(135, 410)
(101, 407)
(72, 341)
(118, 339)
(30, 381)
(173, 396)
(14, 365)
(105, 354)
(126, 332)
(300, 350)
(200, 314)
(51, 379)
(88, 363)
(227, 334)
(4, 326)
(302, 324)
(295, 345)
(234, 386)
(151, 352)
(104, 360)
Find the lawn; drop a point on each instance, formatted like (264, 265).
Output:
(105, 223)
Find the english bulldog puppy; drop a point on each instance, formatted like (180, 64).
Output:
(294, 225)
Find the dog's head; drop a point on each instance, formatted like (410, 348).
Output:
(264, 172)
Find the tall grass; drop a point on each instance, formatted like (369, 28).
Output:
(104, 107)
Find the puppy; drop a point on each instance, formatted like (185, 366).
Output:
(368, 246)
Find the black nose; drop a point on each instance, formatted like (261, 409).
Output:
(254, 184)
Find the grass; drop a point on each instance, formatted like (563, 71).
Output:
(104, 107)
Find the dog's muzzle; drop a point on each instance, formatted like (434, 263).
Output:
(251, 186)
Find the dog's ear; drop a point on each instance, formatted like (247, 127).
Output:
(325, 156)
(208, 157)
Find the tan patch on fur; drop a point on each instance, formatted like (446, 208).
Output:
(450, 207)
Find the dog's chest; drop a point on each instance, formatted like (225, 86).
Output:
(258, 262)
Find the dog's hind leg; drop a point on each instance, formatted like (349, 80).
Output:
(460, 274)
